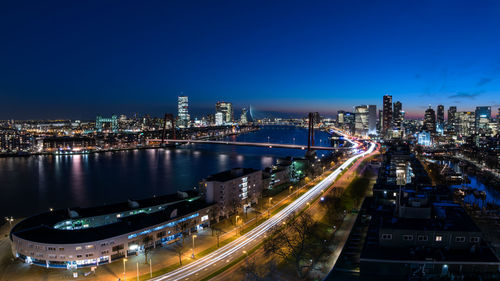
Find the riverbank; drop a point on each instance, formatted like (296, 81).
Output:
(136, 147)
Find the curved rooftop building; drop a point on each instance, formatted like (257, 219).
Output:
(77, 237)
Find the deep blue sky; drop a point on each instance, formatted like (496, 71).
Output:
(75, 59)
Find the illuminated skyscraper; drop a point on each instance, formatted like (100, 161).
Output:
(387, 116)
(452, 119)
(440, 118)
(182, 112)
(482, 118)
(430, 120)
(361, 120)
(243, 118)
(372, 119)
(397, 120)
(226, 108)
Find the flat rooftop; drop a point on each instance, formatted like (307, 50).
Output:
(40, 228)
(231, 174)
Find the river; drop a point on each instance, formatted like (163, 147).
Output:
(29, 185)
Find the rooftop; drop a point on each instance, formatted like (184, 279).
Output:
(40, 228)
(231, 174)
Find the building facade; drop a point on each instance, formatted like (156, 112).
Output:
(226, 110)
(79, 237)
(387, 114)
(183, 117)
(233, 190)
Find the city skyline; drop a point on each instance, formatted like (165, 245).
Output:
(296, 58)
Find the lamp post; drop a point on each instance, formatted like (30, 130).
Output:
(10, 220)
(194, 236)
(150, 269)
(124, 270)
(137, 271)
(269, 208)
(290, 189)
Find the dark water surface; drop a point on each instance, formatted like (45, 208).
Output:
(34, 184)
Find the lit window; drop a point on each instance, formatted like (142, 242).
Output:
(439, 238)
(78, 248)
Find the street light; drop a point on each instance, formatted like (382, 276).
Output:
(150, 269)
(269, 208)
(290, 189)
(10, 220)
(124, 270)
(194, 236)
(137, 271)
(236, 220)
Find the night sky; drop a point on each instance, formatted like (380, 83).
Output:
(77, 59)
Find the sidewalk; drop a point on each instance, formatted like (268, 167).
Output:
(161, 258)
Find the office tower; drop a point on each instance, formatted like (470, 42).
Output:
(440, 118)
(397, 118)
(387, 107)
(430, 120)
(226, 108)
(465, 123)
(243, 118)
(498, 122)
(452, 119)
(349, 122)
(219, 119)
(372, 119)
(482, 118)
(340, 117)
(182, 112)
(380, 121)
(361, 120)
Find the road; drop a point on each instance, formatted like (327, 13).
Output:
(222, 256)
(269, 145)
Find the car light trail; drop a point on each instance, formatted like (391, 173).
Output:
(254, 236)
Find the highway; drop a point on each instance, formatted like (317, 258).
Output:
(259, 144)
(222, 256)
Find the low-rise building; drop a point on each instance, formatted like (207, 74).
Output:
(78, 237)
(233, 190)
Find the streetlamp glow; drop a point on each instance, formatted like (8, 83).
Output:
(124, 270)
(194, 236)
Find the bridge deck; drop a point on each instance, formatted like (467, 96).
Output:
(269, 145)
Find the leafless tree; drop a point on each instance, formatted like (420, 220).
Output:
(292, 242)
(147, 248)
(218, 233)
(178, 248)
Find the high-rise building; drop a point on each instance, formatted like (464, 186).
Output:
(349, 122)
(380, 120)
(440, 118)
(430, 120)
(452, 119)
(387, 116)
(372, 119)
(361, 120)
(243, 118)
(219, 119)
(226, 108)
(397, 119)
(182, 112)
(465, 123)
(340, 117)
(482, 118)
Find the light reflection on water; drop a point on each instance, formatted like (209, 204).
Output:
(30, 185)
